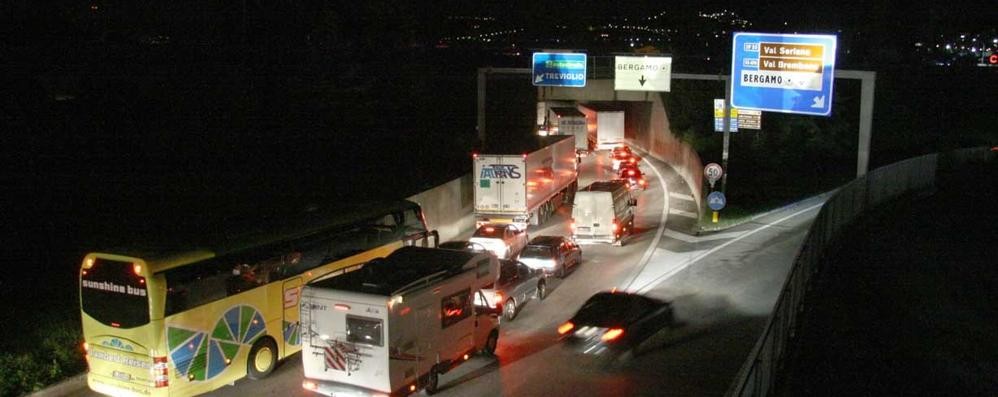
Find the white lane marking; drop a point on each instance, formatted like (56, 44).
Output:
(666, 276)
(661, 224)
(687, 197)
(695, 239)
(683, 213)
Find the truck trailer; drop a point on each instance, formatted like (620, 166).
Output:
(570, 121)
(393, 326)
(606, 121)
(524, 182)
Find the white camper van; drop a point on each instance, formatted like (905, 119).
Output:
(394, 325)
(603, 213)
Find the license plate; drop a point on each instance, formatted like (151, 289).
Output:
(121, 375)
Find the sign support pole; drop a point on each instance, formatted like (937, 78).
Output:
(727, 134)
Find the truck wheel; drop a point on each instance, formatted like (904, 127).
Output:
(262, 359)
(491, 343)
(432, 381)
(542, 290)
(509, 310)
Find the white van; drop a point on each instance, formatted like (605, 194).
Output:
(603, 213)
(394, 325)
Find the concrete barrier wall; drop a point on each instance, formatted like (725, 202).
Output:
(659, 141)
(448, 207)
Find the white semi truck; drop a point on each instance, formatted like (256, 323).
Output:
(570, 121)
(524, 182)
(394, 325)
(606, 121)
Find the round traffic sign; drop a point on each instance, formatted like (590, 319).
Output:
(713, 172)
(716, 201)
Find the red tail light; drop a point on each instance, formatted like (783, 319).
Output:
(497, 299)
(160, 371)
(612, 334)
(564, 328)
(615, 226)
(572, 225)
(630, 172)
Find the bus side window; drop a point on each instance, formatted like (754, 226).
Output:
(196, 284)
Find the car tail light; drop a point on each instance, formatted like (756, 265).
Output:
(564, 328)
(160, 371)
(612, 334)
(497, 298)
(630, 172)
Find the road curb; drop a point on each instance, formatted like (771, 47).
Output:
(66, 387)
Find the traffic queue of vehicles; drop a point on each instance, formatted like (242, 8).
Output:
(398, 323)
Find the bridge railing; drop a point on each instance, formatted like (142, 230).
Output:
(759, 374)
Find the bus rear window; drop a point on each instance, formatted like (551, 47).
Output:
(113, 294)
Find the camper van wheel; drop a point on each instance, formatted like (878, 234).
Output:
(510, 309)
(262, 358)
(491, 343)
(542, 290)
(432, 381)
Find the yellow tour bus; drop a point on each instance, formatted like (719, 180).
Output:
(184, 319)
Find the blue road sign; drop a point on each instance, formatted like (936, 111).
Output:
(716, 201)
(786, 73)
(559, 69)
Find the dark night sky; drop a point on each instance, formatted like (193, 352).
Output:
(52, 155)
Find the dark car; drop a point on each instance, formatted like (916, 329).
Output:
(615, 323)
(635, 179)
(551, 254)
(621, 156)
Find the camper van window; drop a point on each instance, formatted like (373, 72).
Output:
(364, 330)
(454, 308)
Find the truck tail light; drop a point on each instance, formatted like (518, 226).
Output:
(616, 226)
(160, 371)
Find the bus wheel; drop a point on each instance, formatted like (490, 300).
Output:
(432, 381)
(262, 359)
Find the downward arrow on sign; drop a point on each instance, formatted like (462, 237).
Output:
(642, 80)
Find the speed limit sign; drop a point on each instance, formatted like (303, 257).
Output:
(713, 173)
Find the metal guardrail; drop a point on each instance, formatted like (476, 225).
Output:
(760, 372)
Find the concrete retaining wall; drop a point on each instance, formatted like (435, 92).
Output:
(448, 208)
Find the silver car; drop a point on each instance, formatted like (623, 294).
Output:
(552, 254)
(503, 240)
(517, 283)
